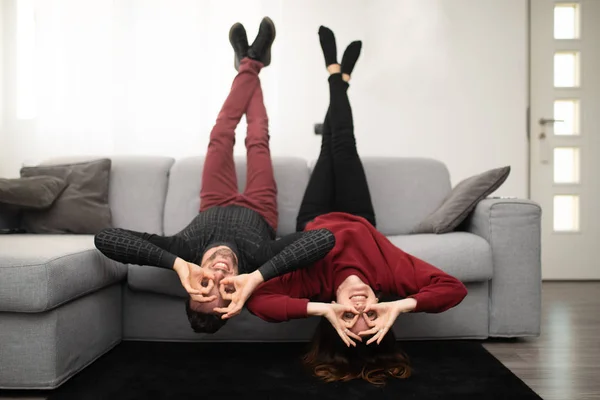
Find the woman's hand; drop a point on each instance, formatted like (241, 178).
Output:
(237, 289)
(387, 312)
(189, 274)
(335, 315)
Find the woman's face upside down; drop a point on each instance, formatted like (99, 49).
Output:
(354, 292)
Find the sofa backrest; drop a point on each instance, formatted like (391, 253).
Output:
(137, 191)
(183, 194)
(405, 190)
(161, 195)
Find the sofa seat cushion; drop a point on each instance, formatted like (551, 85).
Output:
(463, 255)
(156, 280)
(41, 272)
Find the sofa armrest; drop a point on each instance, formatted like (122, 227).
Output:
(513, 229)
(9, 217)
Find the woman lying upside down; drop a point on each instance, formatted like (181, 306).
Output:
(345, 286)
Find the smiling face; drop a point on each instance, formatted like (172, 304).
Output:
(354, 292)
(221, 262)
(220, 259)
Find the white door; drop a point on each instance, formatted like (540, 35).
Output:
(565, 134)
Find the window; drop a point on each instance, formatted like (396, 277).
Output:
(566, 21)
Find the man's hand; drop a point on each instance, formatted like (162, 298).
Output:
(237, 289)
(335, 315)
(387, 312)
(193, 278)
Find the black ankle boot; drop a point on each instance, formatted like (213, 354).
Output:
(260, 50)
(239, 42)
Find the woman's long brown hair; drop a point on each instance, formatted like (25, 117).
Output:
(330, 360)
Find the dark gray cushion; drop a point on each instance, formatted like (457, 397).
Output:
(462, 200)
(37, 192)
(83, 205)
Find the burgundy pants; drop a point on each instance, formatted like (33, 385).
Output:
(219, 181)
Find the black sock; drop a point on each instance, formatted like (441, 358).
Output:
(350, 57)
(327, 40)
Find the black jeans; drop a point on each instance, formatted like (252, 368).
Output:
(338, 182)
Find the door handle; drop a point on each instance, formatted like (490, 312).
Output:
(544, 147)
(544, 121)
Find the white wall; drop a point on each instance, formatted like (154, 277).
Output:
(441, 79)
(437, 78)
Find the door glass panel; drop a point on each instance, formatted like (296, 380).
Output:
(566, 213)
(566, 21)
(566, 165)
(566, 69)
(566, 111)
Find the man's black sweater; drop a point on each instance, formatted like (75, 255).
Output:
(243, 230)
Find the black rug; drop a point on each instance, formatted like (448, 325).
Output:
(137, 370)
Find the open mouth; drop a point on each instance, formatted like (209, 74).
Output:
(358, 297)
(221, 266)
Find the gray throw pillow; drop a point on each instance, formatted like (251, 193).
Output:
(462, 200)
(83, 205)
(37, 192)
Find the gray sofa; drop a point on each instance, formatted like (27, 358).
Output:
(63, 305)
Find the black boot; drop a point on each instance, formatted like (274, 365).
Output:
(260, 50)
(239, 42)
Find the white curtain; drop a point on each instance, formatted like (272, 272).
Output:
(132, 76)
(149, 76)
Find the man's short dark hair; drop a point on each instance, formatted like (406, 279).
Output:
(203, 323)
